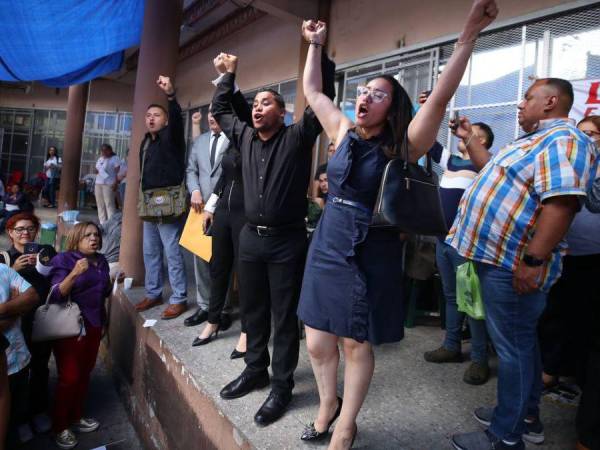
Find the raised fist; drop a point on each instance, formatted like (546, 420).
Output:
(483, 13)
(164, 83)
(314, 31)
(228, 61)
(219, 65)
(196, 117)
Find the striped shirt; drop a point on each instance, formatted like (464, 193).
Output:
(17, 354)
(458, 174)
(498, 213)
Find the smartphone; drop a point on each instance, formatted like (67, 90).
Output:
(208, 231)
(456, 119)
(32, 248)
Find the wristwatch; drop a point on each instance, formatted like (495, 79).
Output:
(532, 261)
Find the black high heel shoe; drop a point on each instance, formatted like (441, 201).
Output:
(311, 433)
(235, 354)
(203, 341)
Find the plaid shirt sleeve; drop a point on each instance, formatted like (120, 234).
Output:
(562, 168)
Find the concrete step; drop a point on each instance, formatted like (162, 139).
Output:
(172, 391)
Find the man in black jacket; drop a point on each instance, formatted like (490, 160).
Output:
(276, 162)
(162, 163)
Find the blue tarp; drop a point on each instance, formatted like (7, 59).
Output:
(64, 42)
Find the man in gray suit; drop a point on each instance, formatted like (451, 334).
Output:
(202, 173)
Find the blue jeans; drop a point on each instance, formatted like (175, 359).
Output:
(51, 190)
(122, 194)
(158, 237)
(512, 325)
(447, 260)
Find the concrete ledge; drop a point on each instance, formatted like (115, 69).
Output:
(171, 391)
(170, 410)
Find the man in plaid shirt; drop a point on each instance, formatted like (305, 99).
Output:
(511, 222)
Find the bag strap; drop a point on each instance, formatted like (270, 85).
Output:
(6, 257)
(145, 146)
(50, 295)
(404, 153)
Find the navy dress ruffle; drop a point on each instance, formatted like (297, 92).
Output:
(352, 284)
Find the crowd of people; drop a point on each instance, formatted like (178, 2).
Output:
(31, 275)
(526, 216)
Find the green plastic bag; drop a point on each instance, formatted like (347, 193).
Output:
(468, 291)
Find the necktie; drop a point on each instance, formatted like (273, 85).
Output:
(213, 149)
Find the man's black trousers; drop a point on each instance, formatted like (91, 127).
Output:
(270, 278)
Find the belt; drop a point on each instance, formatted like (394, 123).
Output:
(265, 231)
(343, 201)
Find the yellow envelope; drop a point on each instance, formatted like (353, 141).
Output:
(194, 239)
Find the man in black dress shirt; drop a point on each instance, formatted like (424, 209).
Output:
(276, 162)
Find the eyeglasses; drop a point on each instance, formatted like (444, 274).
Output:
(377, 95)
(21, 230)
(91, 235)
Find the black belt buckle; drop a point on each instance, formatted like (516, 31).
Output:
(260, 229)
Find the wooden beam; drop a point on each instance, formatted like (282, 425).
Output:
(199, 9)
(290, 10)
(230, 24)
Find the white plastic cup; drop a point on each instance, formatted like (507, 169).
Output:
(127, 283)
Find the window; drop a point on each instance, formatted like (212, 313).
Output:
(500, 70)
(505, 63)
(104, 128)
(287, 89)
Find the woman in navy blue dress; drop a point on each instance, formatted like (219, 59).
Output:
(351, 287)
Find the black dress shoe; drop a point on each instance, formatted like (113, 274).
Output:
(235, 354)
(311, 433)
(272, 409)
(225, 322)
(203, 341)
(197, 318)
(244, 384)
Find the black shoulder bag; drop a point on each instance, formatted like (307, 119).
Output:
(409, 198)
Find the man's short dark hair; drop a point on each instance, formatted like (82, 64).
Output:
(277, 96)
(156, 105)
(564, 87)
(489, 134)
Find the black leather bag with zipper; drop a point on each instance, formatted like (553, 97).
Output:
(409, 198)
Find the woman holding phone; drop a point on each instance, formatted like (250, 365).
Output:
(32, 262)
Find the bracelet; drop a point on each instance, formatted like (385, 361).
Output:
(459, 42)
(315, 43)
(469, 140)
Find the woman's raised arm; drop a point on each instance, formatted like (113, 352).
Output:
(423, 129)
(334, 122)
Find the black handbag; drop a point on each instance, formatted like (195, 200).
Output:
(409, 198)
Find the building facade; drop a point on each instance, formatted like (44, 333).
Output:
(531, 39)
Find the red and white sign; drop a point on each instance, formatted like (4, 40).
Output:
(587, 99)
